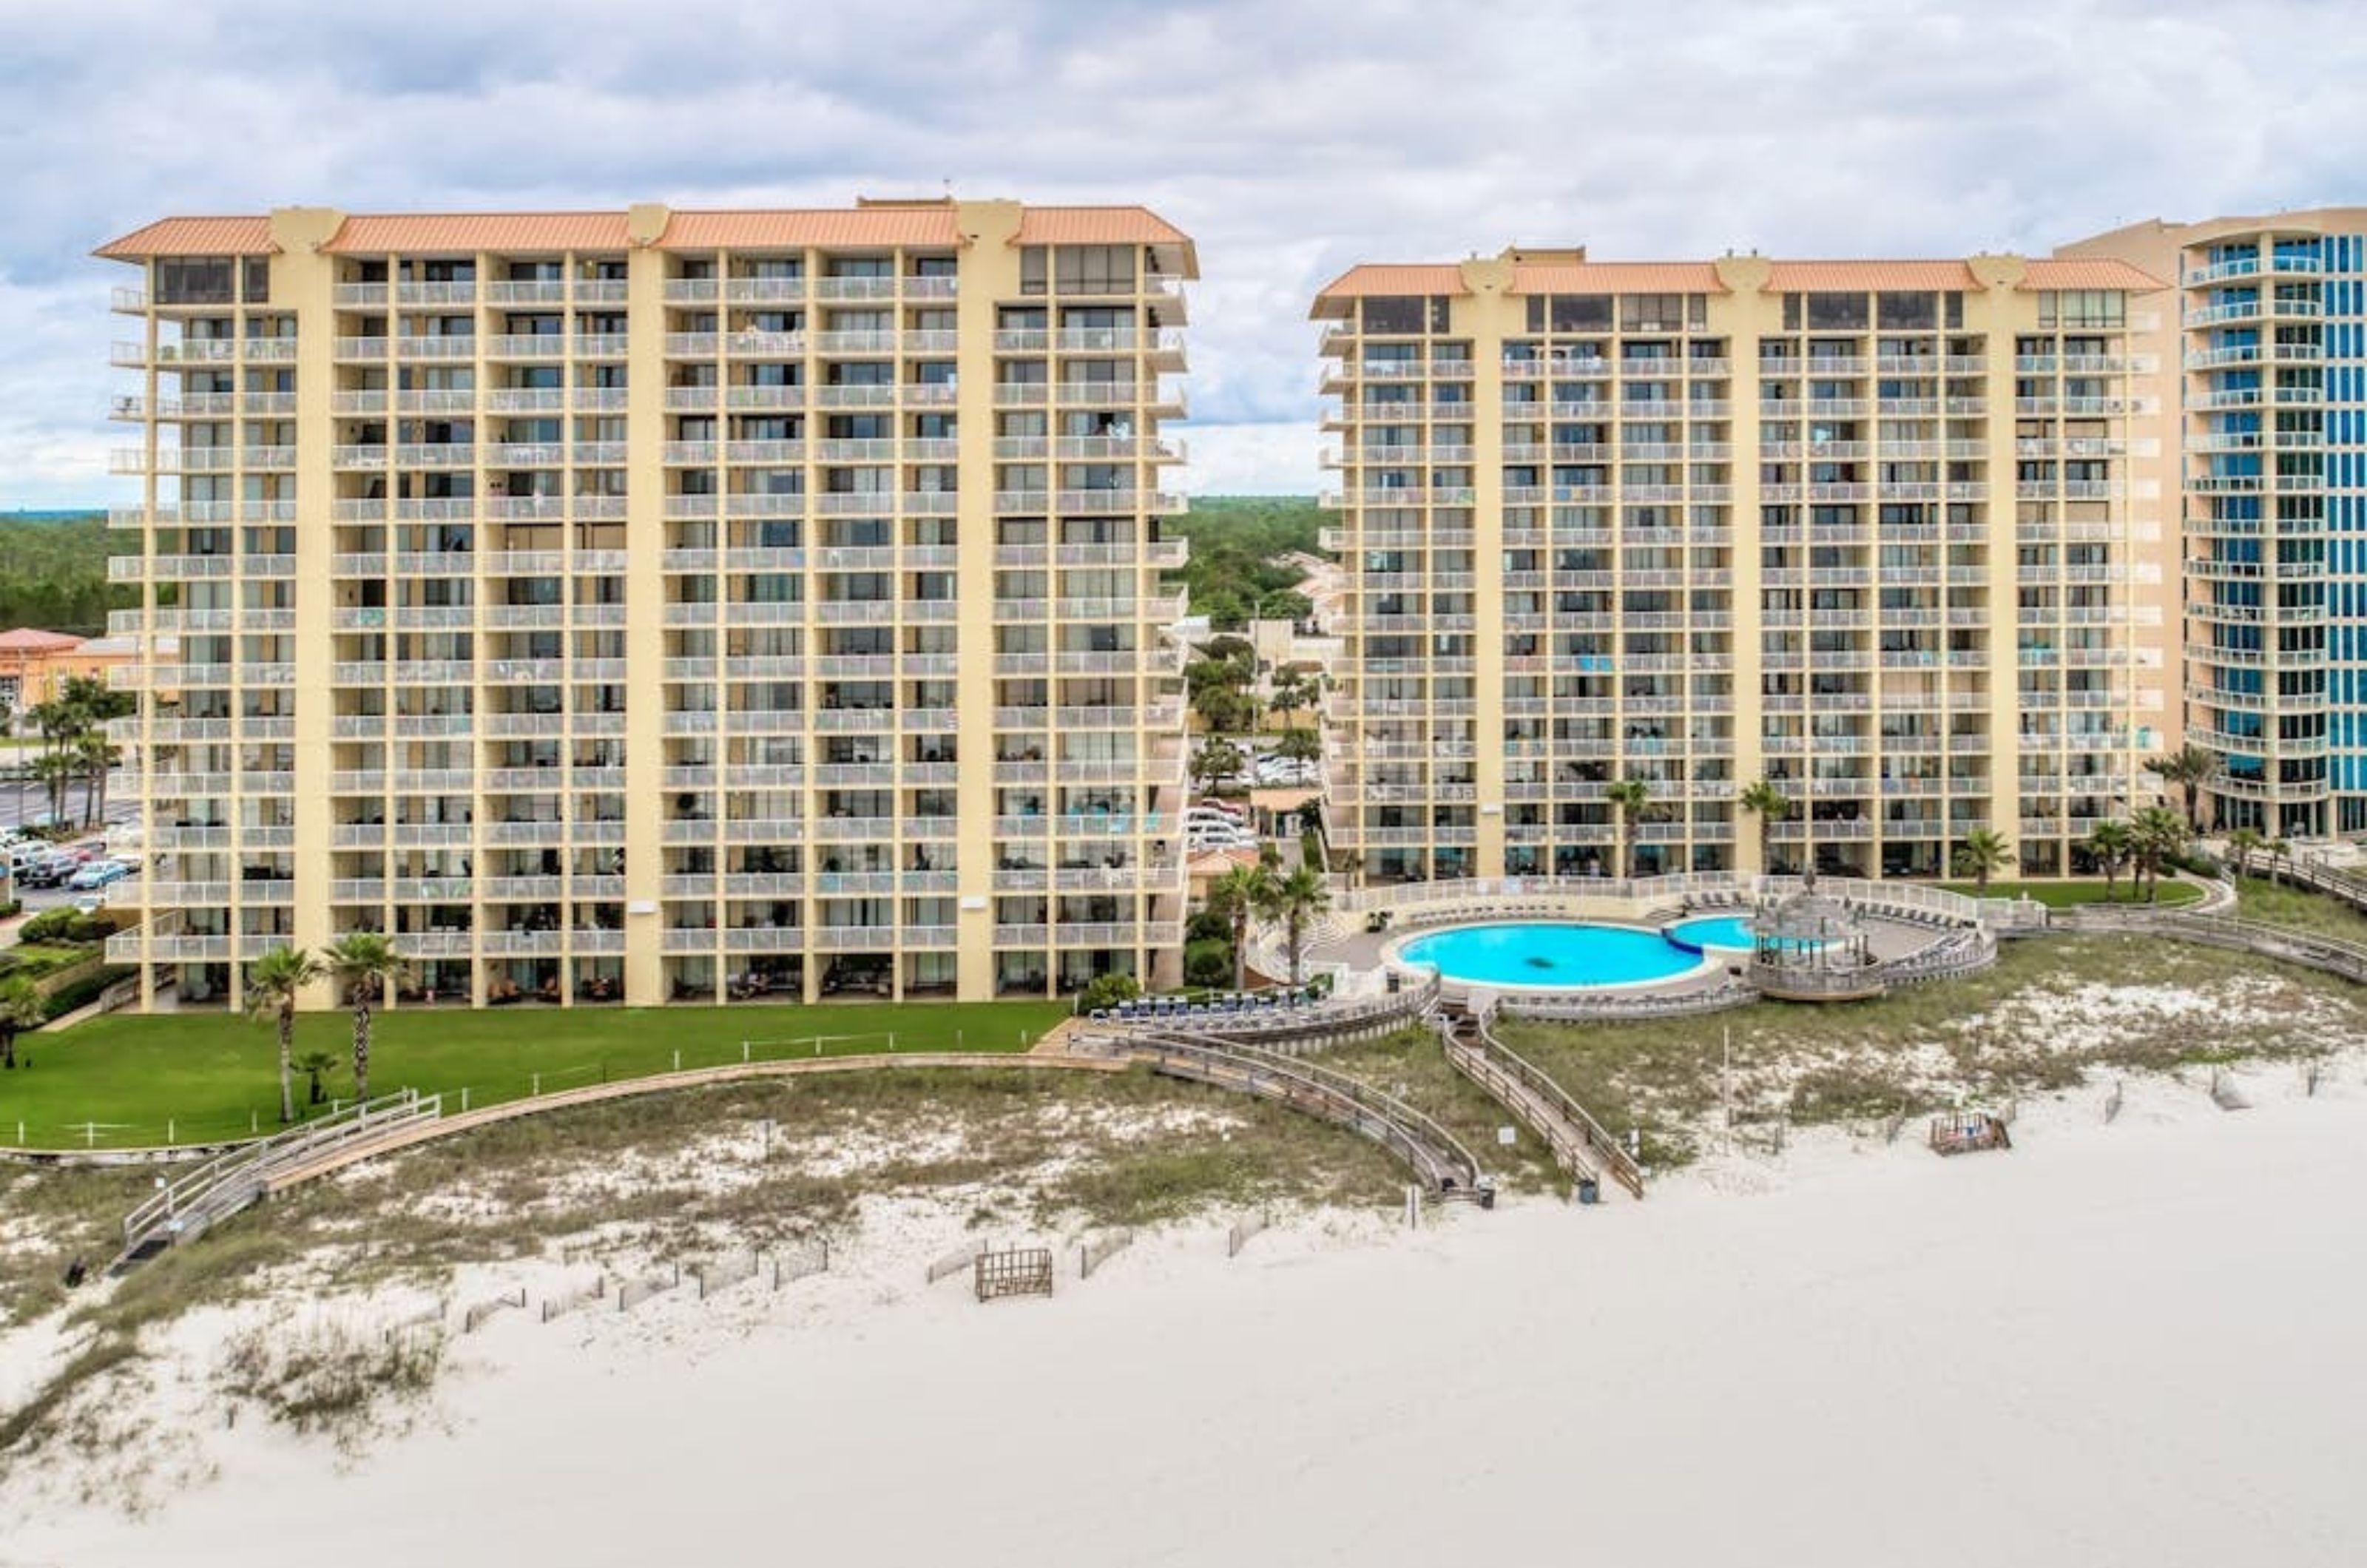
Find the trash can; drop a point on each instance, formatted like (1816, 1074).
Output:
(1486, 1194)
(1588, 1190)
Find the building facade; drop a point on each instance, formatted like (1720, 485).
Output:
(661, 606)
(34, 665)
(1866, 530)
(2266, 437)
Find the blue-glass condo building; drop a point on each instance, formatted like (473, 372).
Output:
(2266, 454)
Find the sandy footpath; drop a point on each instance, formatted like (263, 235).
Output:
(2133, 1344)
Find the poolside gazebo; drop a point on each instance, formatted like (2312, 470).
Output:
(1812, 947)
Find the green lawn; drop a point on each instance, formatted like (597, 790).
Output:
(196, 1077)
(2064, 894)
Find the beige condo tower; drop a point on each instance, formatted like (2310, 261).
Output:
(658, 606)
(1865, 529)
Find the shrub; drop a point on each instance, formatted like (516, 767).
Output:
(1208, 963)
(1207, 925)
(11, 907)
(86, 990)
(69, 928)
(1107, 990)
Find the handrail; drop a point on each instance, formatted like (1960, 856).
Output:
(1433, 1153)
(2331, 955)
(1322, 1019)
(192, 1194)
(1598, 1140)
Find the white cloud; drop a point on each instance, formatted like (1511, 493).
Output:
(1291, 137)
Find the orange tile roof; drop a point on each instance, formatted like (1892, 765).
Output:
(2084, 272)
(1421, 278)
(881, 224)
(193, 237)
(410, 234)
(1616, 277)
(30, 639)
(1808, 277)
(1097, 226)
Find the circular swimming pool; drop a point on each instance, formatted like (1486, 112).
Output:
(1546, 955)
(1729, 933)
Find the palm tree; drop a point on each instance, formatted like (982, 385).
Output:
(2246, 843)
(57, 771)
(362, 963)
(2156, 834)
(1217, 762)
(312, 1065)
(20, 1008)
(1238, 896)
(1766, 801)
(1982, 855)
(2190, 768)
(2109, 841)
(273, 983)
(93, 756)
(1632, 799)
(1298, 746)
(1296, 900)
(1291, 693)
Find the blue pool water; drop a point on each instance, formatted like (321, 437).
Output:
(1540, 954)
(1732, 931)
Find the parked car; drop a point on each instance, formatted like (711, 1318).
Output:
(89, 903)
(98, 873)
(47, 871)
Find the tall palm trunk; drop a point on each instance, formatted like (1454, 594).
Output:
(1295, 933)
(287, 1060)
(361, 1044)
(1242, 950)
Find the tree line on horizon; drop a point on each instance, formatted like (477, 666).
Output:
(53, 572)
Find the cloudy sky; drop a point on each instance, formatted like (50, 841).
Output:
(1291, 137)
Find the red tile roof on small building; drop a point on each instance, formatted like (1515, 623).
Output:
(31, 639)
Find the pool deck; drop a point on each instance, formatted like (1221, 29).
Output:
(1362, 949)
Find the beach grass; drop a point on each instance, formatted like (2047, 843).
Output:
(2273, 903)
(191, 1078)
(1867, 1059)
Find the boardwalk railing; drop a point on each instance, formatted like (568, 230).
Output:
(1609, 1005)
(1434, 1155)
(1288, 1031)
(2330, 955)
(183, 1210)
(1580, 1142)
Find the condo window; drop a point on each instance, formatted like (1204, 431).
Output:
(1394, 313)
(1832, 312)
(1093, 269)
(2083, 308)
(193, 280)
(1908, 312)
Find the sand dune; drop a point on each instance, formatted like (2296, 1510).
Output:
(2133, 1344)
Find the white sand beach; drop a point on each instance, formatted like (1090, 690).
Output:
(2125, 1344)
